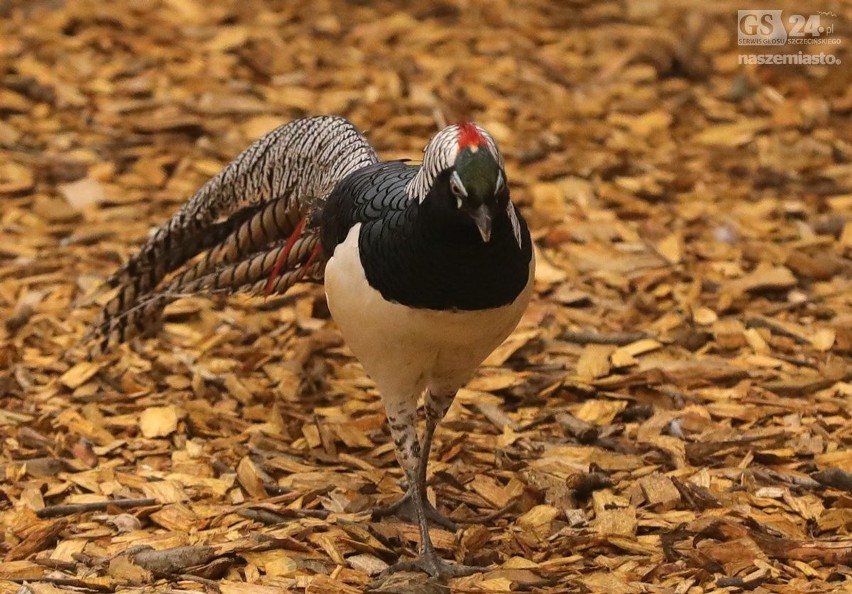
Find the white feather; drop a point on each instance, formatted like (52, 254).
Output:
(404, 349)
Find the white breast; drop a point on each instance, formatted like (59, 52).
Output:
(407, 349)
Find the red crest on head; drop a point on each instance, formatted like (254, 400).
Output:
(469, 135)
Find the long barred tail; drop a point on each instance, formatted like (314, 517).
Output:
(242, 218)
(302, 160)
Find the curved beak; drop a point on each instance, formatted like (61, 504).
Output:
(482, 217)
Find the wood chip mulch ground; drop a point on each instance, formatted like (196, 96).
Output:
(672, 415)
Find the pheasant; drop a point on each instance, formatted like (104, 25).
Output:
(427, 268)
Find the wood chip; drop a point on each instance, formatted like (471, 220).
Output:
(594, 361)
(158, 421)
(672, 415)
(79, 374)
(82, 193)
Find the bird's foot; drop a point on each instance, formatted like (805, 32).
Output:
(404, 507)
(436, 567)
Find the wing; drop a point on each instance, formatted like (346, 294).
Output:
(242, 217)
(375, 196)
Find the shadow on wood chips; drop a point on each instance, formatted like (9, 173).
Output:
(672, 415)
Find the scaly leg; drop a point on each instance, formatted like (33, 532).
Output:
(428, 560)
(436, 408)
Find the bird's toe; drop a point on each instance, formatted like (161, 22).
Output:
(404, 507)
(429, 562)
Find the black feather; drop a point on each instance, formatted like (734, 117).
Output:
(430, 254)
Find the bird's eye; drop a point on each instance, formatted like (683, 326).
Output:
(457, 188)
(500, 182)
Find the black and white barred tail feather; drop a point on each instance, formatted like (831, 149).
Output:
(129, 294)
(248, 274)
(242, 217)
(274, 221)
(301, 159)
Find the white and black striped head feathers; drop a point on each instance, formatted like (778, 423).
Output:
(462, 167)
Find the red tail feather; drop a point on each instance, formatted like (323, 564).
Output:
(311, 259)
(282, 256)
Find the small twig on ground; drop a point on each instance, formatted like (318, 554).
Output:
(774, 327)
(54, 511)
(268, 516)
(69, 582)
(616, 338)
(493, 515)
(834, 477)
(582, 431)
(170, 561)
(792, 305)
(496, 416)
(213, 585)
(771, 474)
(797, 361)
(541, 420)
(55, 564)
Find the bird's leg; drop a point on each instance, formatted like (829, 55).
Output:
(436, 408)
(402, 419)
(428, 560)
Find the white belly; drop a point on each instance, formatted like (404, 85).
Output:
(407, 349)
